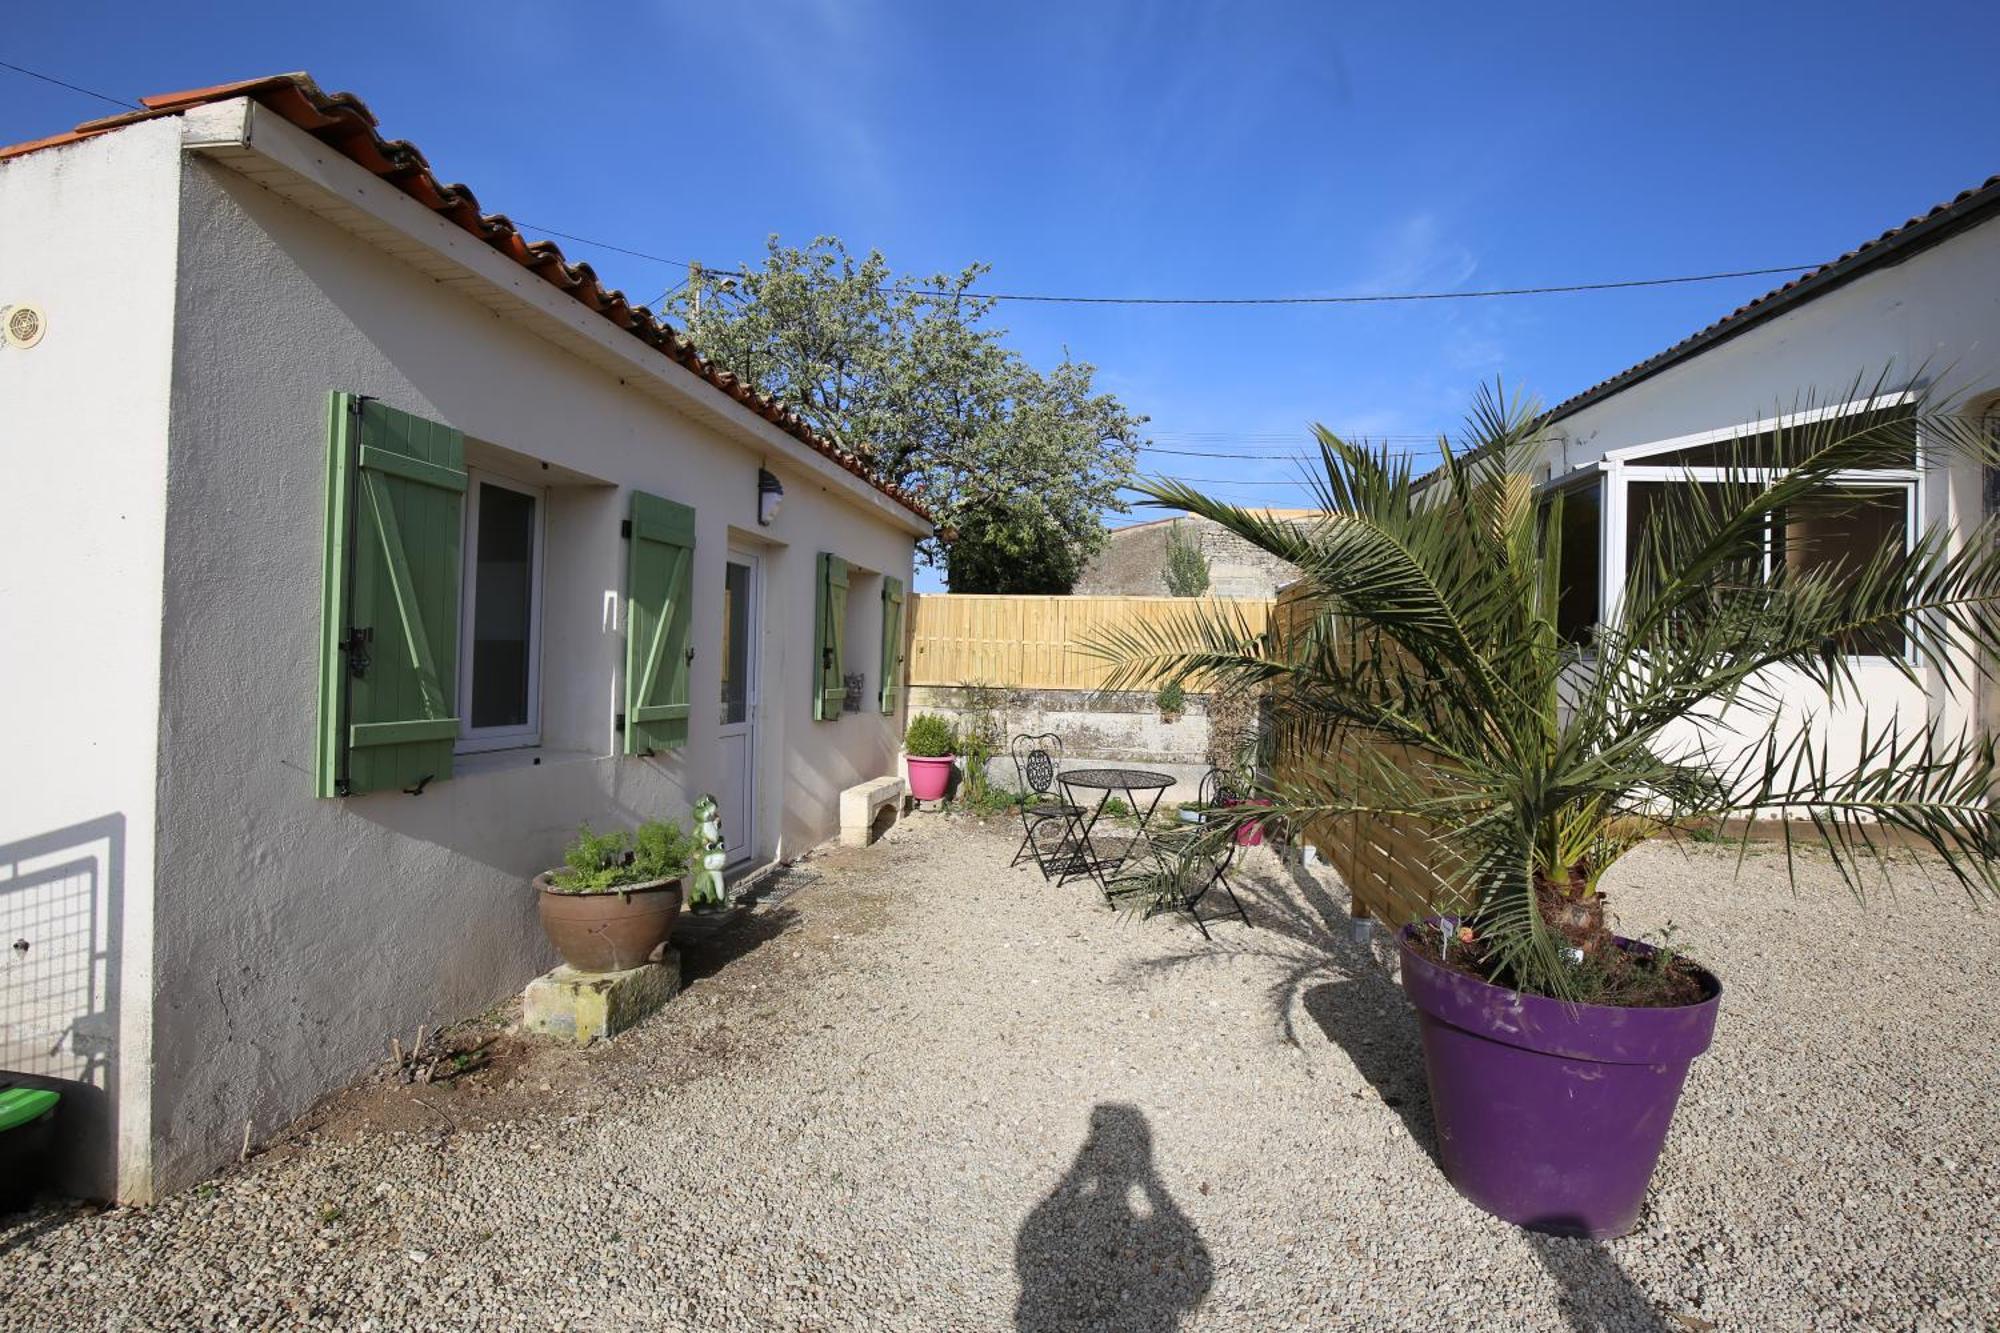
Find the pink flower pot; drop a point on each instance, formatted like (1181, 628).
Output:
(1249, 835)
(929, 778)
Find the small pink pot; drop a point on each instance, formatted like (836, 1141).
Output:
(930, 777)
(1249, 835)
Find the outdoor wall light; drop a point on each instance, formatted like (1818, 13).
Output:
(770, 494)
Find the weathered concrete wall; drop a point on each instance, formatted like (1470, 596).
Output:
(1118, 729)
(89, 236)
(295, 934)
(1133, 562)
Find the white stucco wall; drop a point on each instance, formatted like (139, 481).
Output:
(296, 935)
(89, 236)
(1935, 316)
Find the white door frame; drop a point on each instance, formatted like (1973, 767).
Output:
(753, 666)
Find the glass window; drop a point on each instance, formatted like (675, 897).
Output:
(1839, 536)
(1896, 446)
(1577, 597)
(736, 616)
(498, 682)
(1838, 532)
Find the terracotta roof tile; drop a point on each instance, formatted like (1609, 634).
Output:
(344, 122)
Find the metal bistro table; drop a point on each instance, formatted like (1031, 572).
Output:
(1082, 857)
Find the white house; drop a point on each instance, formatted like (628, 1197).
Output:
(354, 550)
(1920, 303)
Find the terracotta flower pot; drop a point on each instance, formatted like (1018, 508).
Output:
(930, 777)
(612, 930)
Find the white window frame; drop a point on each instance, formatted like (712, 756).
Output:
(1619, 467)
(473, 740)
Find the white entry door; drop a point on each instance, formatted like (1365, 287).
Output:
(742, 607)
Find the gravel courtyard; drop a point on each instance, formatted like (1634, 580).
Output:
(917, 1090)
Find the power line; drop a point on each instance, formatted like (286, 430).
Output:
(75, 88)
(603, 245)
(1377, 298)
(1228, 481)
(1281, 437)
(1047, 299)
(1296, 456)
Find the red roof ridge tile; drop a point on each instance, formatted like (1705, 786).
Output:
(345, 123)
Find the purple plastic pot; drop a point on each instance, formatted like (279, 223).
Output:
(1551, 1115)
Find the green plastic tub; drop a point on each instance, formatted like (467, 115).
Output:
(27, 1135)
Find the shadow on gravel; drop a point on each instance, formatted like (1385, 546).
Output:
(711, 941)
(1342, 984)
(1109, 1248)
(1597, 1296)
(1366, 1015)
(17, 1229)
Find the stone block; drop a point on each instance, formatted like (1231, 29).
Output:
(868, 809)
(581, 1007)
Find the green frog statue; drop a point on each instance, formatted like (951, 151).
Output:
(705, 884)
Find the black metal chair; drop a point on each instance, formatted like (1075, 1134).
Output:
(1187, 863)
(1037, 760)
(1217, 789)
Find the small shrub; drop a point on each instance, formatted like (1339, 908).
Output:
(930, 737)
(1187, 567)
(606, 862)
(979, 738)
(1171, 699)
(1115, 808)
(991, 800)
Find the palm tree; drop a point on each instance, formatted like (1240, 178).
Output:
(1428, 675)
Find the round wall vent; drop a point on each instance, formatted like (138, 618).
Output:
(25, 326)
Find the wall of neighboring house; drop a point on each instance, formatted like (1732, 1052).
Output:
(297, 935)
(89, 239)
(1935, 315)
(1133, 563)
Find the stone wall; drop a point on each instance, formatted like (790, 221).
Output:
(1115, 729)
(1133, 563)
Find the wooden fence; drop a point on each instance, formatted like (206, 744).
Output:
(1033, 643)
(1393, 867)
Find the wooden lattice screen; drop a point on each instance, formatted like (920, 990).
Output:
(1391, 866)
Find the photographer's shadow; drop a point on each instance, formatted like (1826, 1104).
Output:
(1108, 1248)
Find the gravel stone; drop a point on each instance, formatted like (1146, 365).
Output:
(914, 1089)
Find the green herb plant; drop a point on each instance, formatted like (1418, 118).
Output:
(607, 862)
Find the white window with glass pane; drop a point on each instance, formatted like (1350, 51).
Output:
(499, 659)
(1857, 519)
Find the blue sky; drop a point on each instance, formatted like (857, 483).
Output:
(1162, 149)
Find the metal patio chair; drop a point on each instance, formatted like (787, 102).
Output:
(1183, 867)
(1037, 759)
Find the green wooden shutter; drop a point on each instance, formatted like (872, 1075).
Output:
(389, 599)
(830, 690)
(892, 641)
(659, 592)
